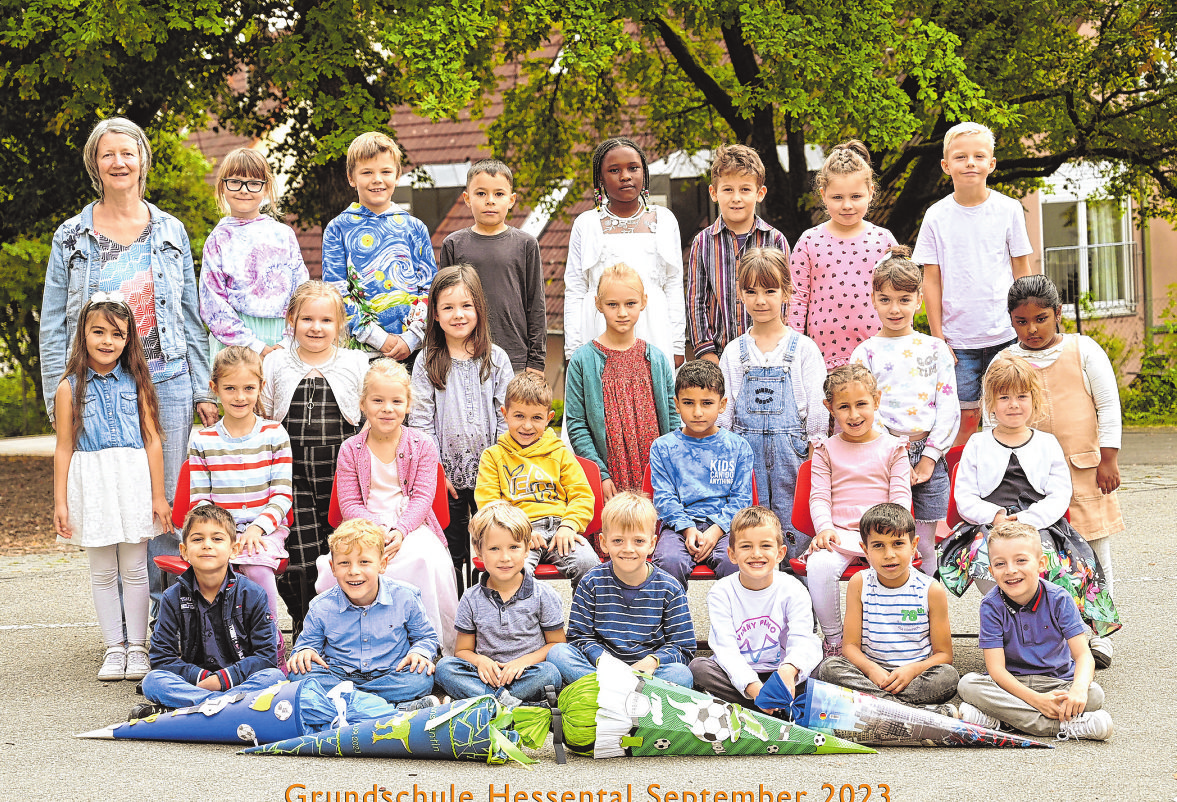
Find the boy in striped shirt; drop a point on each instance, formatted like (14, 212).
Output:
(628, 606)
(896, 641)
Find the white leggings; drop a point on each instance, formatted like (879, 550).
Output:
(264, 576)
(824, 570)
(108, 564)
(926, 532)
(1103, 552)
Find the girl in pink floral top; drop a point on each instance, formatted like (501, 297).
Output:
(832, 263)
(252, 263)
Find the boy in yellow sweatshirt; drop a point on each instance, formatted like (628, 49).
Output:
(533, 470)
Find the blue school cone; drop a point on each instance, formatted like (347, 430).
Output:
(866, 719)
(284, 710)
(468, 729)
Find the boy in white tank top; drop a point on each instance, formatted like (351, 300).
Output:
(896, 639)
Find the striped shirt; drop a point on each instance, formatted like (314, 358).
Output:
(895, 624)
(249, 476)
(631, 622)
(714, 318)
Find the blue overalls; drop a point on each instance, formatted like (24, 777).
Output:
(766, 416)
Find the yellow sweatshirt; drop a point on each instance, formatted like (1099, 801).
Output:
(543, 479)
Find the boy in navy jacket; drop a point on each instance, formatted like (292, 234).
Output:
(215, 632)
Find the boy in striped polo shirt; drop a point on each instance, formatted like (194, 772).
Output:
(628, 606)
(896, 642)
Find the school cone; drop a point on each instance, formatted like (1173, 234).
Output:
(618, 712)
(468, 729)
(284, 710)
(867, 719)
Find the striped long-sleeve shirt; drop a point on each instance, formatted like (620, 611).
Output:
(631, 623)
(714, 318)
(249, 476)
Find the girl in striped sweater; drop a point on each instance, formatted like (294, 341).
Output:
(243, 464)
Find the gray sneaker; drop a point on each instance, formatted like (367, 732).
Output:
(424, 703)
(1094, 726)
(943, 710)
(114, 665)
(507, 700)
(1101, 652)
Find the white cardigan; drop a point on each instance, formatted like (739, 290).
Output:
(982, 468)
(580, 288)
(283, 371)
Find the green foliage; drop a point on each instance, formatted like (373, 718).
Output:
(177, 185)
(20, 411)
(558, 418)
(1151, 398)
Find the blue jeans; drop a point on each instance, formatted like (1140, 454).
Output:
(573, 665)
(929, 499)
(170, 690)
(460, 680)
(391, 685)
(175, 416)
(971, 364)
(671, 555)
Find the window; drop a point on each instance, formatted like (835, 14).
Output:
(1087, 245)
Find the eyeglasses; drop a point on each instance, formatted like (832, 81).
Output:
(115, 297)
(235, 185)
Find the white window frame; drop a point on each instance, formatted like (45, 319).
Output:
(1080, 184)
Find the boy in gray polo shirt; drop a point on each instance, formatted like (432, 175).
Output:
(507, 622)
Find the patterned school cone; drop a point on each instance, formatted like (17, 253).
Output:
(866, 719)
(469, 729)
(618, 712)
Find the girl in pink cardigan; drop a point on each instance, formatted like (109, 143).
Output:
(388, 474)
(854, 470)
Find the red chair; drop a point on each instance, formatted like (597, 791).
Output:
(441, 502)
(181, 506)
(592, 472)
(803, 523)
(952, 457)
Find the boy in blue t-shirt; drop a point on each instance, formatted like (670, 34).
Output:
(378, 255)
(1035, 644)
(701, 477)
(628, 607)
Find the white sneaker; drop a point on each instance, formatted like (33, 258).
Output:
(1101, 652)
(137, 663)
(423, 703)
(1095, 726)
(974, 716)
(114, 664)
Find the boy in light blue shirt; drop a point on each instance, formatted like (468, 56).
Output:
(701, 477)
(369, 629)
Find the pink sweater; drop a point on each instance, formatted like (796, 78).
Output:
(831, 289)
(850, 478)
(416, 465)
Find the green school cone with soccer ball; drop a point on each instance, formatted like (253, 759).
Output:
(618, 712)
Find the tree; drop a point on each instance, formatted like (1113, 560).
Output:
(1058, 81)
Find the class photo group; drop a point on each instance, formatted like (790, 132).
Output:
(376, 449)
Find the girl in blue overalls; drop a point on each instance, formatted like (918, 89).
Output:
(773, 377)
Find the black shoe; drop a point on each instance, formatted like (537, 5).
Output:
(145, 709)
(139, 688)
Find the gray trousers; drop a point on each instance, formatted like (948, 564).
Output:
(983, 693)
(935, 685)
(572, 565)
(710, 677)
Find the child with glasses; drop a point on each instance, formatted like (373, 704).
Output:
(252, 261)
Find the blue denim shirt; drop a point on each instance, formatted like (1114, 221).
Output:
(110, 418)
(368, 639)
(72, 277)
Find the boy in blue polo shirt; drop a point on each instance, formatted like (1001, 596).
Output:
(369, 629)
(1039, 665)
(507, 622)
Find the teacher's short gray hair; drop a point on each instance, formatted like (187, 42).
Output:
(116, 125)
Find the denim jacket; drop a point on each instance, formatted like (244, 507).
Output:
(72, 277)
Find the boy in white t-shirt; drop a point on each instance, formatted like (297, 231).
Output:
(972, 244)
(761, 618)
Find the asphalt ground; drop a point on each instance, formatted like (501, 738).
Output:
(50, 650)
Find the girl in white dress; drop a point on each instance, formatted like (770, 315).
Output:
(625, 227)
(109, 449)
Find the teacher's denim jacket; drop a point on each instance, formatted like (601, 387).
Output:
(72, 277)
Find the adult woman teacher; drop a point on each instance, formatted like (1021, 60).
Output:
(123, 244)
